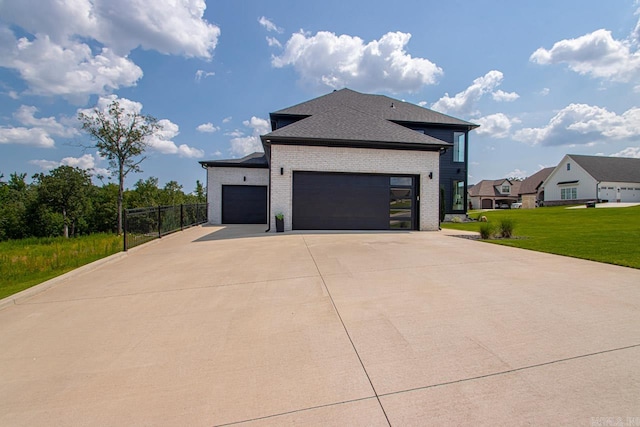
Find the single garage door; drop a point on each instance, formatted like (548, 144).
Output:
(244, 204)
(343, 201)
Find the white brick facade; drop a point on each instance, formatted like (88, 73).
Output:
(354, 160)
(219, 176)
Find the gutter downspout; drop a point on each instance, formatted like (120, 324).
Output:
(269, 192)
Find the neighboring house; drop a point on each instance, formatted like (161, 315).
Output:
(350, 161)
(494, 194)
(578, 179)
(501, 193)
(532, 190)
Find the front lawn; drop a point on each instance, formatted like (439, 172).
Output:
(610, 235)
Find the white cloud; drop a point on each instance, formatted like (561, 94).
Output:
(325, 59)
(596, 54)
(162, 140)
(59, 54)
(35, 131)
(207, 128)
(190, 152)
(517, 173)
(628, 152)
(35, 137)
(244, 145)
(269, 25)
(26, 116)
(72, 71)
(87, 162)
(502, 96)
(227, 119)
(200, 74)
(235, 133)
(545, 91)
(582, 124)
(495, 125)
(272, 41)
(465, 102)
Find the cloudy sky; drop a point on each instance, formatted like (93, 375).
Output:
(542, 78)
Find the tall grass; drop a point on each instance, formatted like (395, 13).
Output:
(27, 262)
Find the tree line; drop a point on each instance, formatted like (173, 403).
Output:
(65, 202)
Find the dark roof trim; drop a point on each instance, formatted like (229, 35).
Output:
(568, 182)
(468, 126)
(380, 145)
(220, 164)
(253, 160)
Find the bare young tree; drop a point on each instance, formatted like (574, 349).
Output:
(121, 137)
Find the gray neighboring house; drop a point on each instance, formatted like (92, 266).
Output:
(347, 161)
(579, 178)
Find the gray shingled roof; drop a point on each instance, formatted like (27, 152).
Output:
(612, 169)
(487, 188)
(344, 123)
(531, 184)
(376, 105)
(253, 160)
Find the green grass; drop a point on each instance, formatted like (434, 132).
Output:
(607, 235)
(27, 262)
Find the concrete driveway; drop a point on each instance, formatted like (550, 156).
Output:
(218, 326)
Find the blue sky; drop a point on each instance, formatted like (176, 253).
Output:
(543, 78)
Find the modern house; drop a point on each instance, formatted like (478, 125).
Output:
(347, 161)
(578, 179)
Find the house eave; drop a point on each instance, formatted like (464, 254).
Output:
(379, 145)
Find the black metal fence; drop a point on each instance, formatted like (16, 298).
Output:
(144, 224)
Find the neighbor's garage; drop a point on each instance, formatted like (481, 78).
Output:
(244, 204)
(347, 201)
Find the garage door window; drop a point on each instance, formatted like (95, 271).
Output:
(401, 203)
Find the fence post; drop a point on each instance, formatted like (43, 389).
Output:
(181, 217)
(159, 224)
(124, 221)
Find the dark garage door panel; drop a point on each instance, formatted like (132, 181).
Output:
(336, 201)
(244, 204)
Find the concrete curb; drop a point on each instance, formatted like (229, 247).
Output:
(36, 289)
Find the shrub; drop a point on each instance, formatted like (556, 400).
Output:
(456, 219)
(486, 230)
(506, 227)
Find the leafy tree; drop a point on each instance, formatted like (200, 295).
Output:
(66, 191)
(145, 193)
(200, 193)
(15, 198)
(171, 194)
(104, 207)
(121, 137)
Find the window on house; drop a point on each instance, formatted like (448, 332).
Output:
(459, 145)
(569, 193)
(568, 166)
(506, 189)
(458, 196)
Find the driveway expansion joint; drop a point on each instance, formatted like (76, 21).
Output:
(510, 371)
(346, 331)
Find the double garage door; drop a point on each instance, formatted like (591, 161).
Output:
(344, 201)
